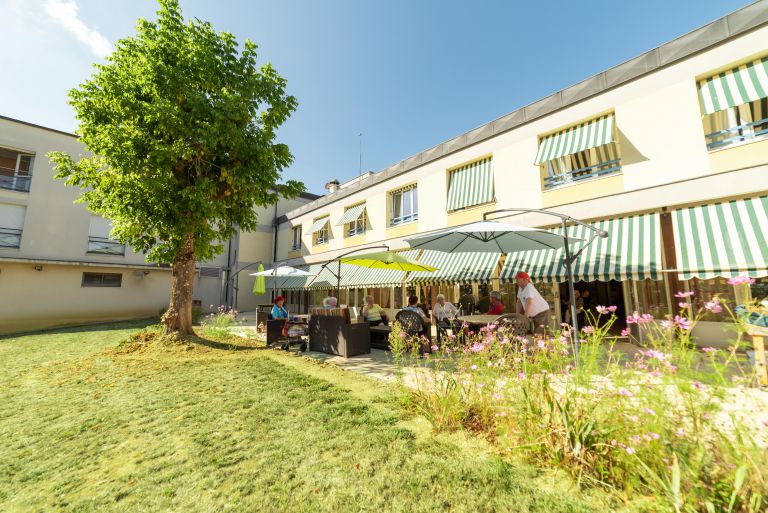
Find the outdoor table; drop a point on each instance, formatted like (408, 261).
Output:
(380, 336)
(478, 320)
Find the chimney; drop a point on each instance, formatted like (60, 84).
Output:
(332, 186)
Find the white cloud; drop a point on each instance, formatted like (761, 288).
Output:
(64, 12)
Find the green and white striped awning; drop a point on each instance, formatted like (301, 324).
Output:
(744, 84)
(632, 250)
(319, 224)
(591, 134)
(471, 185)
(351, 214)
(724, 239)
(372, 278)
(456, 267)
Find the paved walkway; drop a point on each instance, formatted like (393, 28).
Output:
(378, 364)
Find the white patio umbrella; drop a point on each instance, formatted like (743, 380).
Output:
(282, 271)
(488, 237)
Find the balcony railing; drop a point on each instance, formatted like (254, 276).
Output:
(10, 238)
(404, 219)
(737, 134)
(104, 246)
(601, 169)
(15, 182)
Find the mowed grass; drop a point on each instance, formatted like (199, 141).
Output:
(217, 428)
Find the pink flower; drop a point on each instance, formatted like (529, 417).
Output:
(655, 436)
(741, 280)
(697, 385)
(632, 319)
(541, 344)
(402, 334)
(630, 450)
(601, 309)
(645, 318)
(521, 375)
(683, 304)
(667, 325)
(680, 433)
(709, 350)
(625, 392)
(683, 323)
(473, 367)
(625, 332)
(649, 411)
(588, 329)
(611, 308)
(683, 295)
(714, 305)
(434, 348)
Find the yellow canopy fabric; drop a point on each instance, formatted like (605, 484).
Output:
(387, 260)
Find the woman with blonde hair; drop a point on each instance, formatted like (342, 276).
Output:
(373, 313)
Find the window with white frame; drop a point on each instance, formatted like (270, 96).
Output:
(357, 226)
(15, 170)
(296, 238)
(734, 104)
(404, 205)
(321, 232)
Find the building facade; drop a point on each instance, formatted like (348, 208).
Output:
(58, 265)
(667, 151)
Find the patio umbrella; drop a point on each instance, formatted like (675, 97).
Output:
(488, 237)
(259, 284)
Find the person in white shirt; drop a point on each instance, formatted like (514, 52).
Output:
(445, 313)
(531, 304)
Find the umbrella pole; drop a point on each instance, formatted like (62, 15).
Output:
(338, 282)
(572, 296)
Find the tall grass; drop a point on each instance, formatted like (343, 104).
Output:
(660, 423)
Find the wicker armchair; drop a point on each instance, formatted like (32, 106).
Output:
(517, 324)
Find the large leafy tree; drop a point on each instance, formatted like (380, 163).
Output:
(181, 126)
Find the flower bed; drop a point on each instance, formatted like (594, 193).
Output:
(670, 421)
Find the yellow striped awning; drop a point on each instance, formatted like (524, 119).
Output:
(722, 239)
(372, 277)
(456, 267)
(737, 86)
(591, 134)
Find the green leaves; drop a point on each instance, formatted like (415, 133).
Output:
(180, 123)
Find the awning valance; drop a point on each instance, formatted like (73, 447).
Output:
(744, 84)
(591, 134)
(319, 224)
(456, 267)
(632, 250)
(722, 239)
(471, 185)
(351, 214)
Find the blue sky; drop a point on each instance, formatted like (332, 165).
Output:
(407, 74)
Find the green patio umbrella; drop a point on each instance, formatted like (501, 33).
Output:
(259, 284)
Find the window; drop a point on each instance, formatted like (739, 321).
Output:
(734, 105)
(470, 185)
(99, 241)
(321, 231)
(296, 238)
(102, 280)
(738, 124)
(404, 205)
(357, 226)
(15, 170)
(586, 150)
(11, 224)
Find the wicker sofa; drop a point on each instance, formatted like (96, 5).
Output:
(331, 332)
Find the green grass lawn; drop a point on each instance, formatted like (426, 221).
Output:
(213, 428)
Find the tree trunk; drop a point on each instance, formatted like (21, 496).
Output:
(178, 318)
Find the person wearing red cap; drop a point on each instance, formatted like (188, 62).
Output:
(530, 303)
(278, 310)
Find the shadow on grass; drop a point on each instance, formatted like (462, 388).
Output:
(84, 328)
(226, 346)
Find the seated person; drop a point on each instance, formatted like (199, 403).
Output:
(330, 302)
(413, 306)
(444, 312)
(495, 307)
(278, 310)
(373, 313)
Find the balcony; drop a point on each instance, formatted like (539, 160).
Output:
(737, 134)
(102, 246)
(395, 221)
(10, 238)
(584, 173)
(14, 182)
